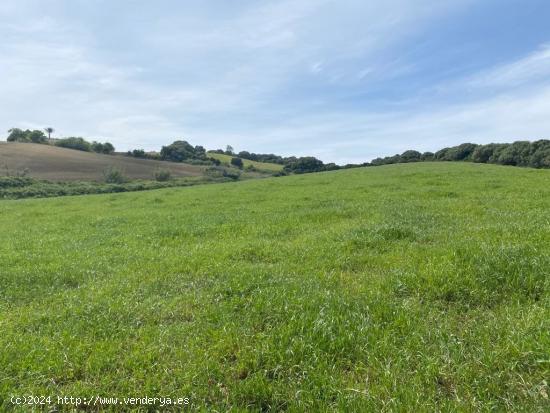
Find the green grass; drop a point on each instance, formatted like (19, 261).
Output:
(262, 166)
(414, 287)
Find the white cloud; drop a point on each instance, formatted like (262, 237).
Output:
(272, 76)
(535, 66)
(357, 137)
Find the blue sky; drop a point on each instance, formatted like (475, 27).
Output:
(345, 80)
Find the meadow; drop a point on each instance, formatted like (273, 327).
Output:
(261, 166)
(409, 287)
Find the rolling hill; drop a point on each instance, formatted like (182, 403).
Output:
(61, 164)
(410, 287)
(262, 166)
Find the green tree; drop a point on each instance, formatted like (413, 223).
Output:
(540, 157)
(17, 135)
(37, 136)
(138, 153)
(108, 148)
(427, 156)
(304, 165)
(518, 154)
(411, 156)
(105, 148)
(180, 151)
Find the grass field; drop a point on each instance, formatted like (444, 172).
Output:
(262, 166)
(413, 287)
(60, 164)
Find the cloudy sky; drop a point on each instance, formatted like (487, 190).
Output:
(343, 80)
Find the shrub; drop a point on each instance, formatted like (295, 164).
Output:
(15, 181)
(162, 175)
(214, 172)
(75, 143)
(219, 172)
(137, 153)
(235, 175)
(114, 175)
(237, 162)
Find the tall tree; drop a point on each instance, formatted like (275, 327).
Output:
(49, 131)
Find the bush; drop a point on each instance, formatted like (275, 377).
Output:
(114, 175)
(137, 153)
(78, 144)
(15, 181)
(235, 175)
(237, 162)
(214, 172)
(219, 172)
(162, 175)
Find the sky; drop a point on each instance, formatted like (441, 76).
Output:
(342, 80)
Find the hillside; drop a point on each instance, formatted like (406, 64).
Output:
(411, 287)
(60, 164)
(262, 166)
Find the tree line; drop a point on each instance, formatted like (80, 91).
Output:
(520, 153)
(534, 154)
(78, 143)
